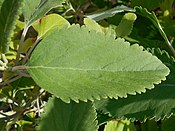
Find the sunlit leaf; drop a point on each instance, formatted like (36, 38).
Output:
(77, 64)
(49, 23)
(120, 125)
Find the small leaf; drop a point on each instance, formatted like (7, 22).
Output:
(126, 25)
(27, 44)
(35, 9)
(9, 15)
(92, 25)
(49, 23)
(109, 13)
(60, 116)
(77, 64)
(120, 125)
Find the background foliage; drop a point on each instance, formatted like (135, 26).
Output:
(87, 65)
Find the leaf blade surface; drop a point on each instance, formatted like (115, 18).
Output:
(60, 116)
(77, 64)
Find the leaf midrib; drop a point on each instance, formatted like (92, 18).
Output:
(81, 69)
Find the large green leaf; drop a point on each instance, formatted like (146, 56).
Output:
(9, 15)
(157, 103)
(35, 9)
(60, 116)
(79, 64)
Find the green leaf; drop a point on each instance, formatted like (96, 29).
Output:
(153, 18)
(49, 23)
(35, 9)
(168, 25)
(149, 4)
(146, 34)
(157, 103)
(109, 13)
(126, 25)
(168, 124)
(120, 125)
(9, 15)
(1, 1)
(150, 125)
(60, 116)
(77, 64)
(92, 25)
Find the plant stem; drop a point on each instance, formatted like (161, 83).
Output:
(15, 117)
(38, 107)
(16, 68)
(10, 81)
(29, 52)
(165, 37)
(4, 58)
(20, 44)
(167, 41)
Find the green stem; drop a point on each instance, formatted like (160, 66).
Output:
(29, 52)
(4, 58)
(10, 81)
(165, 37)
(15, 117)
(16, 68)
(20, 44)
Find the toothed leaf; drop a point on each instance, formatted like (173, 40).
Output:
(157, 103)
(77, 64)
(60, 116)
(9, 15)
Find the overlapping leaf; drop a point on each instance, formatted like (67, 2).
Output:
(35, 9)
(60, 116)
(9, 15)
(77, 64)
(157, 103)
(151, 16)
(49, 23)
